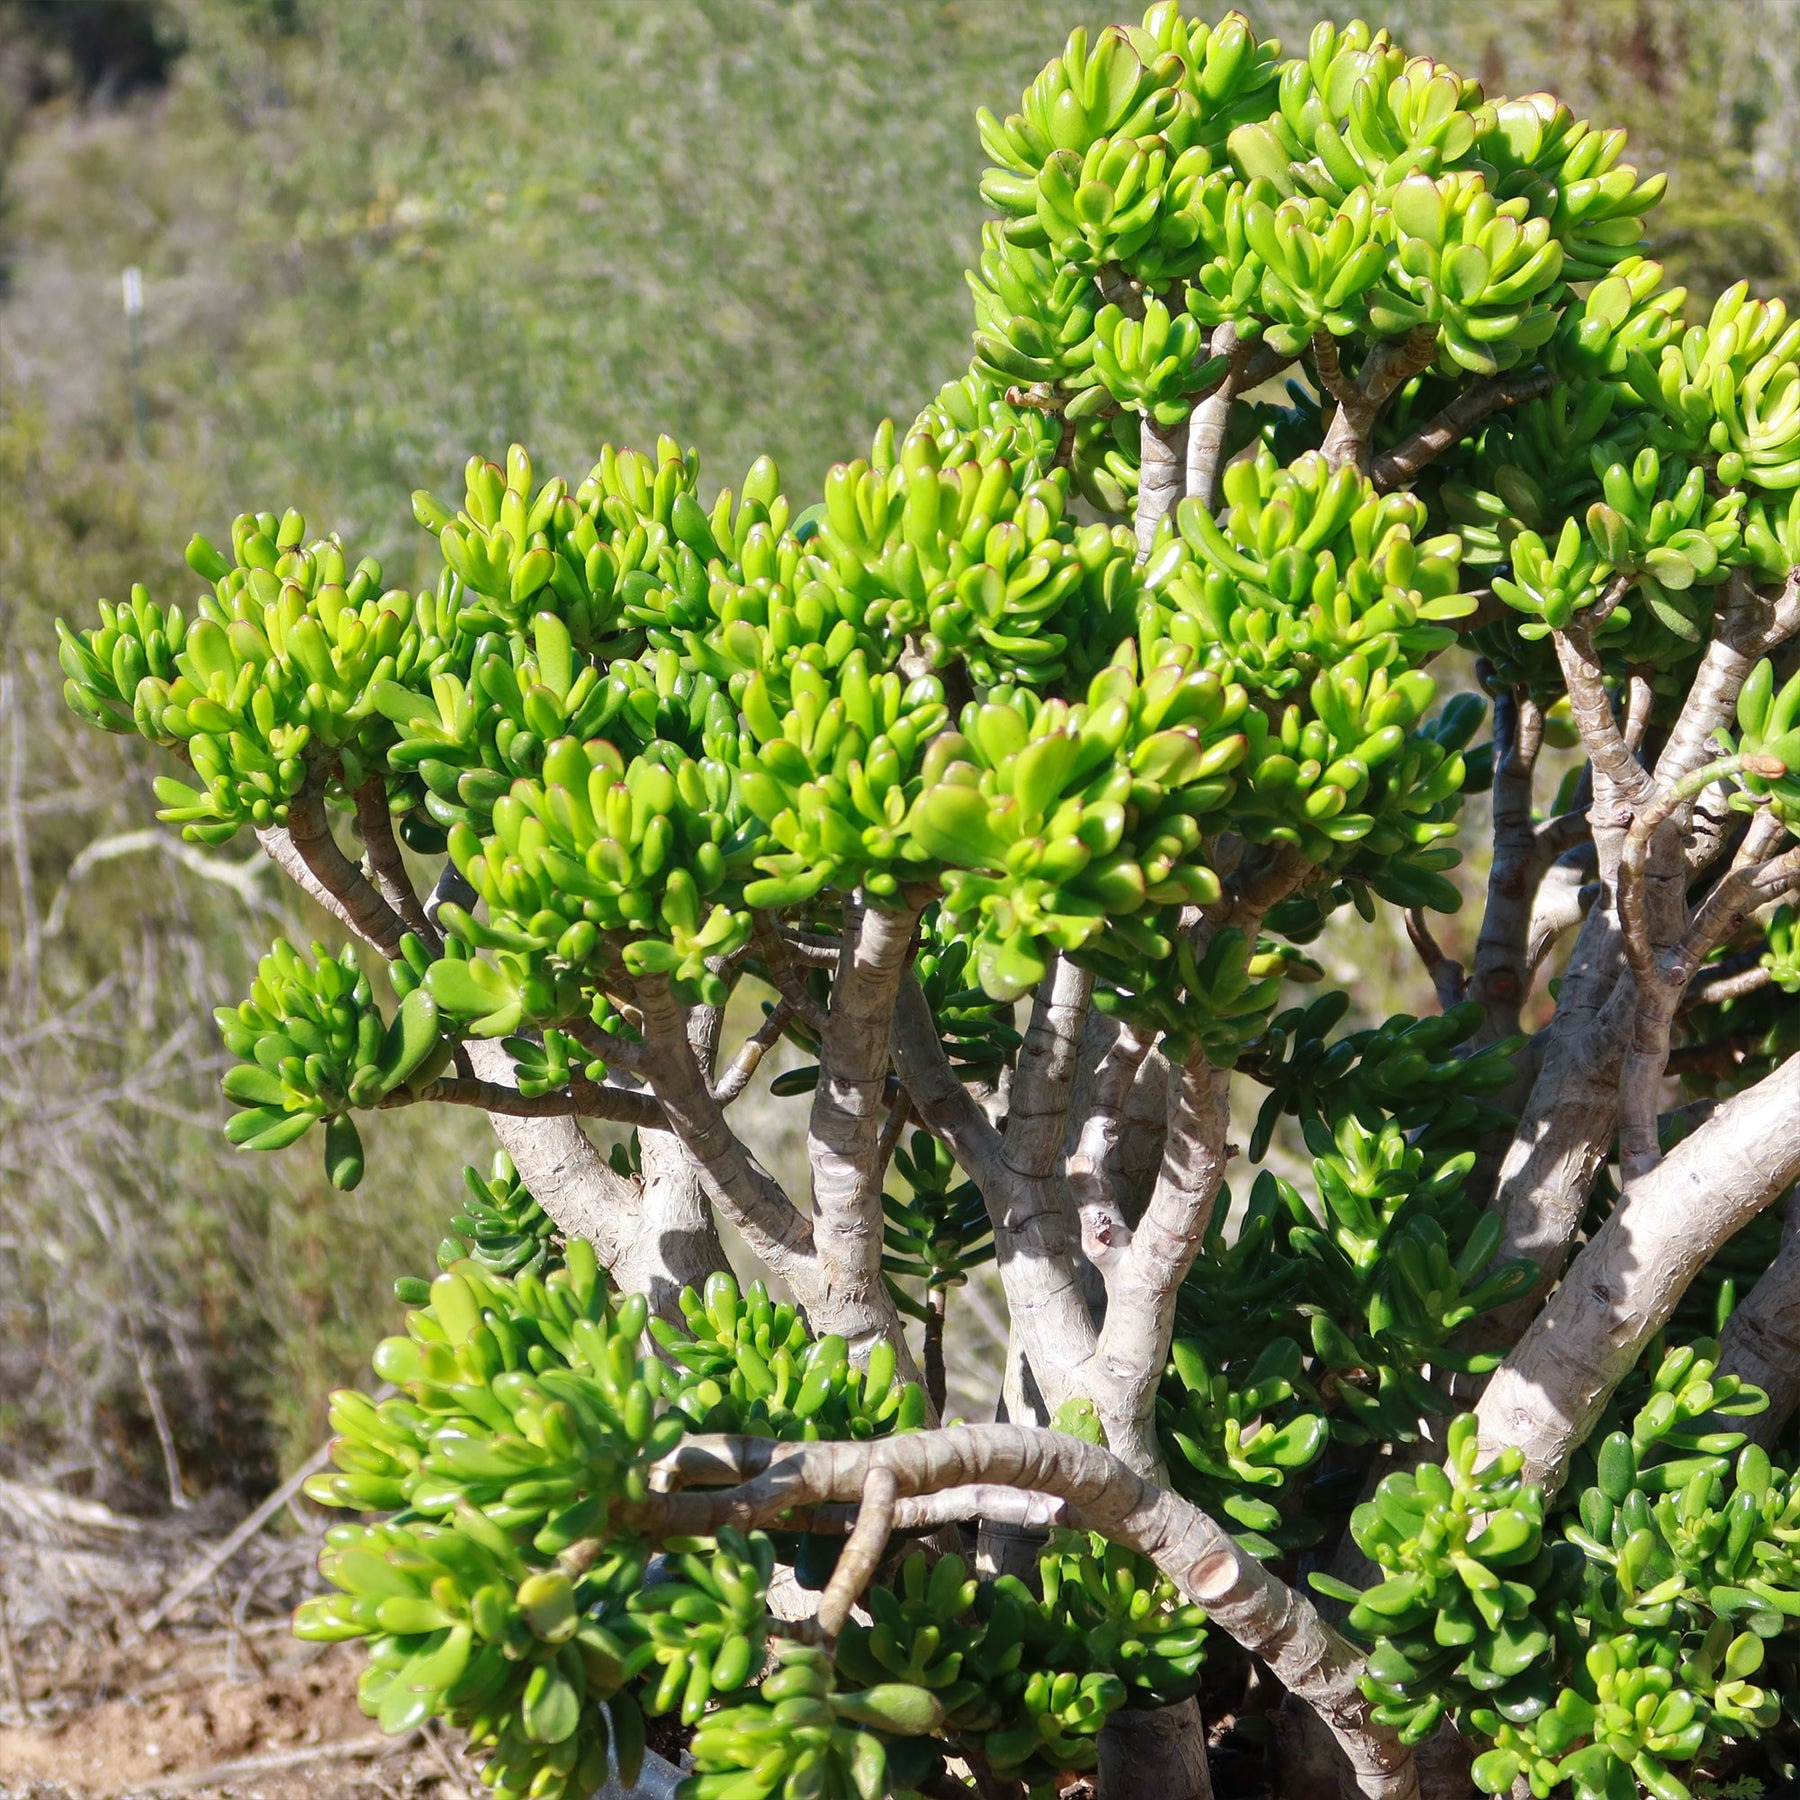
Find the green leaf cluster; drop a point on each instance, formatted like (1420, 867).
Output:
(805, 1741)
(1782, 958)
(1294, 1331)
(1608, 1660)
(1463, 1559)
(1769, 726)
(311, 1044)
(275, 674)
(939, 1232)
(526, 1657)
(1414, 1071)
(1307, 566)
(501, 1227)
(1349, 190)
(706, 1621)
(1027, 1680)
(748, 1364)
(495, 1598)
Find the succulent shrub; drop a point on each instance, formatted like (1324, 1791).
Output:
(1333, 453)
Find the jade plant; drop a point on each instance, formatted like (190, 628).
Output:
(1342, 536)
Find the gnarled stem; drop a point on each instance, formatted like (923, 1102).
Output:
(737, 1185)
(375, 826)
(1243, 1598)
(583, 1100)
(861, 1553)
(1591, 706)
(1661, 973)
(1498, 979)
(844, 1132)
(1453, 422)
(1162, 475)
(1388, 366)
(353, 896)
(1048, 1313)
(1143, 1279)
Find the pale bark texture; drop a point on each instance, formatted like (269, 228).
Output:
(1162, 474)
(844, 1133)
(1158, 1755)
(1626, 1282)
(1241, 1596)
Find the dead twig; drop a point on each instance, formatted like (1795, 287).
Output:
(216, 1558)
(374, 1747)
(440, 1754)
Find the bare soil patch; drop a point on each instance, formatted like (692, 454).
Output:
(103, 1699)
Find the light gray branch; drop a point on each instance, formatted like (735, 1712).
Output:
(1715, 986)
(844, 1130)
(862, 1551)
(1557, 1150)
(1591, 706)
(1755, 878)
(1746, 626)
(1662, 972)
(743, 1066)
(1211, 416)
(1625, 1283)
(1048, 1312)
(1090, 1168)
(736, 1184)
(1039, 1104)
(1563, 901)
(676, 1241)
(945, 1107)
(558, 1162)
(1143, 1279)
(1162, 474)
(1246, 1601)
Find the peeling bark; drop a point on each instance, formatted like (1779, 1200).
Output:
(1626, 1282)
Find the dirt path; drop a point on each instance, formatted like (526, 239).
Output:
(149, 1655)
(156, 1720)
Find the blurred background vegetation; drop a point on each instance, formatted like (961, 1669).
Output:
(374, 238)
